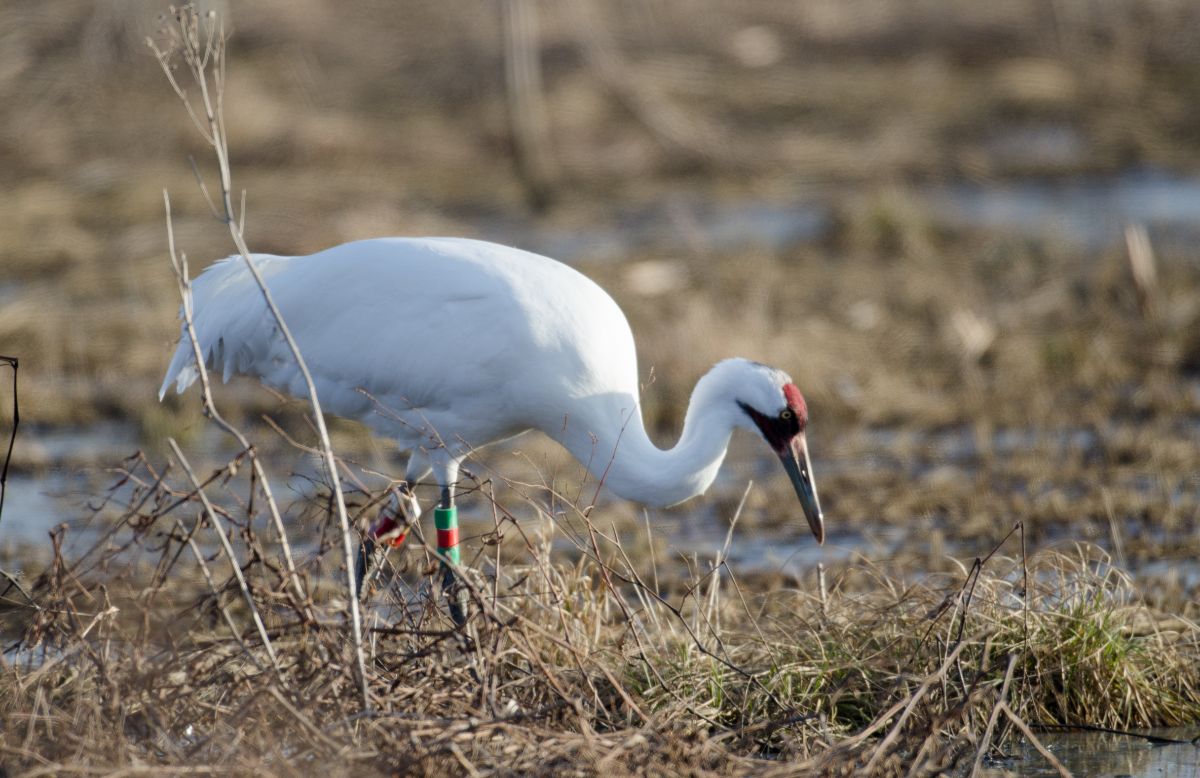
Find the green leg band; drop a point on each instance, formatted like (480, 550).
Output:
(446, 521)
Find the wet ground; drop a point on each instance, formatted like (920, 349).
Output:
(938, 180)
(77, 467)
(1106, 756)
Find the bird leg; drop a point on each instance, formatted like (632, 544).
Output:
(446, 519)
(389, 530)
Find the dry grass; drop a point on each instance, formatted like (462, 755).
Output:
(571, 660)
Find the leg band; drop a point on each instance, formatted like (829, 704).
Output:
(446, 521)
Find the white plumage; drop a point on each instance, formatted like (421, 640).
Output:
(448, 344)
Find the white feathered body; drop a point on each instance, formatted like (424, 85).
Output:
(448, 344)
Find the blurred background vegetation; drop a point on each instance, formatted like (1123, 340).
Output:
(918, 208)
(968, 229)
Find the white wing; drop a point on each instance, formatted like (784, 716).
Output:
(477, 340)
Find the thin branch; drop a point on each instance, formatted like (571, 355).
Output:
(986, 740)
(1034, 740)
(216, 591)
(12, 435)
(219, 528)
(201, 66)
(179, 263)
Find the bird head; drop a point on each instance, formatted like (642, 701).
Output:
(773, 406)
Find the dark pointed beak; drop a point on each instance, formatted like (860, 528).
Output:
(799, 469)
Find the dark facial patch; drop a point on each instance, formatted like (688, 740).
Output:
(780, 429)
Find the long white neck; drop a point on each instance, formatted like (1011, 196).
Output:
(613, 444)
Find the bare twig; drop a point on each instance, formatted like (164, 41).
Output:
(907, 707)
(13, 582)
(526, 106)
(182, 277)
(12, 435)
(206, 61)
(1033, 739)
(305, 721)
(216, 593)
(223, 536)
(986, 741)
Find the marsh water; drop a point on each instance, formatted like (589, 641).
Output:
(1084, 212)
(1099, 755)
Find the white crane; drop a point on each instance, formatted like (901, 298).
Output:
(449, 344)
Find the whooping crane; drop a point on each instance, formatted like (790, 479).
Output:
(449, 344)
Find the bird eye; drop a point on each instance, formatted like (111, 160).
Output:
(786, 414)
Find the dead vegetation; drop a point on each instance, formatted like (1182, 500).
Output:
(141, 653)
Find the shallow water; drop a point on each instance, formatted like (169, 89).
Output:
(1100, 755)
(58, 491)
(676, 224)
(31, 507)
(41, 498)
(1089, 212)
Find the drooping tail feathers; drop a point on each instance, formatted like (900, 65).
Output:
(234, 328)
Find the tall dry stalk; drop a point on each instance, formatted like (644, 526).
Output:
(180, 265)
(526, 100)
(223, 536)
(13, 582)
(201, 46)
(1142, 268)
(12, 435)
